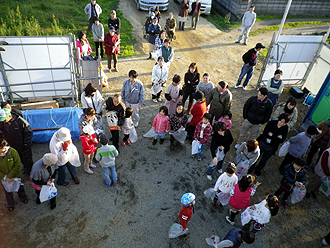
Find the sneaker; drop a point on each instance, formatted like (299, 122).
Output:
(220, 171)
(136, 124)
(245, 43)
(11, 208)
(199, 159)
(237, 145)
(324, 242)
(285, 204)
(229, 221)
(76, 180)
(159, 100)
(63, 184)
(244, 88)
(161, 141)
(237, 42)
(89, 171)
(128, 143)
(92, 166)
(154, 142)
(116, 70)
(26, 201)
(155, 100)
(236, 86)
(209, 177)
(193, 155)
(123, 143)
(114, 184)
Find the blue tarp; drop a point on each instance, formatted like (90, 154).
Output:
(58, 117)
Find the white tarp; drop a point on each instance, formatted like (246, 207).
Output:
(29, 60)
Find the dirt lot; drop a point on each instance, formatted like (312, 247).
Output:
(140, 209)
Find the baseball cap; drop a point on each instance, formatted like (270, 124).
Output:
(259, 45)
(4, 113)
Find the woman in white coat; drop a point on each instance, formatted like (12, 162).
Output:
(159, 77)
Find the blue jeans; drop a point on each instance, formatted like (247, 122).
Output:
(211, 169)
(113, 172)
(266, 152)
(62, 172)
(162, 135)
(248, 70)
(200, 154)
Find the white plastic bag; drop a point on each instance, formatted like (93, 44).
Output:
(133, 135)
(190, 118)
(213, 241)
(325, 186)
(12, 186)
(176, 230)
(48, 192)
(209, 193)
(223, 198)
(242, 169)
(220, 154)
(150, 133)
(180, 135)
(195, 147)
(284, 149)
(297, 194)
(73, 155)
(155, 88)
(246, 216)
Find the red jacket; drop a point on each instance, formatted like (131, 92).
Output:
(109, 42)
(197, 111)
(88, 143)
(206, 133)
(240, 200)
(185, 216)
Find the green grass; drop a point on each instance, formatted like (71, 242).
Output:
(59, 17)
(222, 23)
(286, 25)
(272, 17)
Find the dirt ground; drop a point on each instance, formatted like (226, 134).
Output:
(151, 180)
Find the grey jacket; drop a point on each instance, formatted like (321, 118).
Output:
(133, 93)
(251, 156)
(98, 31)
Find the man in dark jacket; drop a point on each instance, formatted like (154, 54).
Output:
(115, 104)
(195, 8)
(250, 60)
(274, 134)
(18, 134)
(257, 111)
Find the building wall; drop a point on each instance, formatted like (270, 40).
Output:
(273, 7)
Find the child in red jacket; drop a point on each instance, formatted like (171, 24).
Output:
(161, 125)
(202, 134)
(89, 142)
(188, 202)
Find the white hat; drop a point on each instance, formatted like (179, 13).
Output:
(63, 134)
(88, 129)
(49, 159)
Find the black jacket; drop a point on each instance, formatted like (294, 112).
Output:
(291, 176)
(114, 23)
(250, 57)
(120, 110)
(257, 112)
(193, 78)
(17, 132)
(219, 140)
(193, 6)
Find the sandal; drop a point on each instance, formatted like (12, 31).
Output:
(89, 171)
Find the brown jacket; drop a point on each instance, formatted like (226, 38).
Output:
(183, 9)
(323, 126)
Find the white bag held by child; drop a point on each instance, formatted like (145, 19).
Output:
(209, 193)
(284, 149)
(242, 169)
(297, 194)
(176, 230)
(150, 133)
(246, 216)
(223, 198)
(213, 241)
(220, 154)
(47, 192)
(325, 185)
(195, 147)
(12, 186)
(180, 135)
(133, 135)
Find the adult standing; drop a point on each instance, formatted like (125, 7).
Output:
(159, 41)
(322, 169)
(159, 77)
(93, 10)
(289, 107)
(183, 14)
(98, 33)
(195, 7)
(173, 94)
(221, 140)
(321, 141)
(114, 21)
(133, 95)
(250, 60)
(220, 100)
(275, 86)
(167, 52)
(61, 145)
(249, 18)
(9, 169)
(256, 111)
(274, 134)
(170, 25)
(43, 173)
(17, 132)
(115, 104)
(111, 43)
(205, 86)
(92, 98)
(191, 80)
(153, 30)
(298, 146)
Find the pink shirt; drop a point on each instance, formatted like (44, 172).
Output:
(228, 122)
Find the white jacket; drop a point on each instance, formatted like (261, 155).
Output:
(127, 126)
(159, 73)
(87, 102)
(88, 9)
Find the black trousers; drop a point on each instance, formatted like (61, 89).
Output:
(327, 238)
(157, 96)
(26, 159)
(126, 136)
(115, 138)
(286, 193)
(312, 152)
(99, 47)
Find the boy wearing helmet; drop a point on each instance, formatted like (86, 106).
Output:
(188, 202)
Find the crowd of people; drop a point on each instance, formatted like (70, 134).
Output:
(205, 119)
